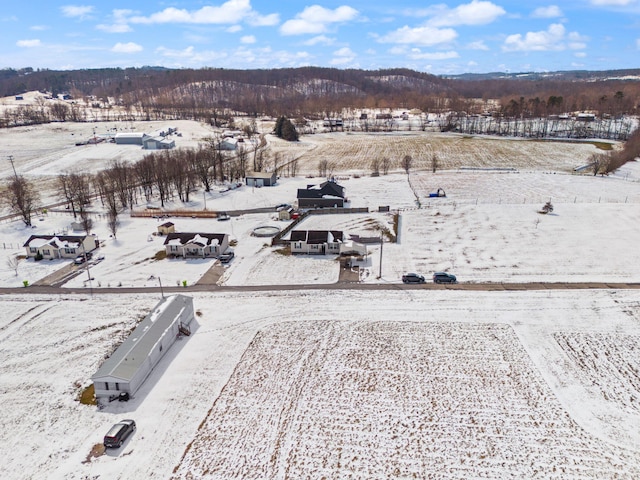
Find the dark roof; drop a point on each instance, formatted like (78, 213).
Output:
(167, 224)
(298, 236)
(203, 239)
(61, 238)
(327, 188)
(316, 236)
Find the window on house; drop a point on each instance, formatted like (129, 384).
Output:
(33, 250)
(117, 386)
(106, 385)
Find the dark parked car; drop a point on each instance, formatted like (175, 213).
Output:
(116, 436)
(226, 257)
(80, 259)
(443, 277)
(412, 278)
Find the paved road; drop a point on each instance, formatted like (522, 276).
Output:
(487, 287)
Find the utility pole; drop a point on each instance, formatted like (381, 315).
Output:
(381, 242)
(13, 166)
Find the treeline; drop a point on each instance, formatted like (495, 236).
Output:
(312, 92)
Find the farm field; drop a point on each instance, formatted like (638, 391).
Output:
(354, 152)
(436, 383)
(292, 382)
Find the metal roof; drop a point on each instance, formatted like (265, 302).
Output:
(133, 352)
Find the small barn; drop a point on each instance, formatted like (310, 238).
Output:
(261, 179)
(130, 138)
(166, 228)
(158, 143)
(285, 213)
(129, 366)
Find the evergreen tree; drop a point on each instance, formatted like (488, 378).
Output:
(277, 130)
(289, 132)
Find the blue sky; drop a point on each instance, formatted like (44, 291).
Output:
(441, 38)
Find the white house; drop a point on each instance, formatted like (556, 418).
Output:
(60, 246)
(319, 242)
(200, 245)
(129, 366)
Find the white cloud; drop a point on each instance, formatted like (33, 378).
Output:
(613, 3)
(580, 54)
(343, 56)
(320, 40)
(38, 28)
(129, 47)
(80, 11)
(416, 54)
(316, 19)
(248, 39)
(114, 28)
(256, 20)
(478, 12)
(120, 22)
(479, 45)
(547, 40)
(552, 11)
(426, 36)
(167, 52)
(232, 11)
(234, 29)
(29, 43)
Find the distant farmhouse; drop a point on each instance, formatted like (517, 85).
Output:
(261, 179)
(128, 367)
(196, 245)
(327, 194)
(59, 246)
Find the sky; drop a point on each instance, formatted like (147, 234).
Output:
(475, 36)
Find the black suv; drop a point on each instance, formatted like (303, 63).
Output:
(412, 278)
(116, 436)
(443, 277)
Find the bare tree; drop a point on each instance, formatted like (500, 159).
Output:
(599, 163)
(13, 262)
(323, 167)
(434, 162)
(22, 198)
(375, 167)
(407, 163)
(385, 164)
(113, 223)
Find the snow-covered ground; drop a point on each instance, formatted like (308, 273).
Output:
(349, 383)
(299, 383)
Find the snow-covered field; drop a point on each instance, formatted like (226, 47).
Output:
(373, 384)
